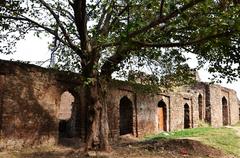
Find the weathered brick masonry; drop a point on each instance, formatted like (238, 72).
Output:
(40, 105)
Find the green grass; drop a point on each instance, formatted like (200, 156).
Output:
(222, 138)
(238, 124)
(195, 132)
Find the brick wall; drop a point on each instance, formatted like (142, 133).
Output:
(30, 104)
(30, 99)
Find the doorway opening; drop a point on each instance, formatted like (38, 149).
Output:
(126, 116)
(66, 128)
(162, 116)
(200, 107)
(225, 111)
(186, 116)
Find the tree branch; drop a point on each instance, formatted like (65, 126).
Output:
(79, 7)
(160, 20)
(181, 44)
(100, 22)
(105, 45)
(52, 32)
(115, 19)
(161, 8)
(94, 7)
(34, 23)
(122, 52)
(111, 64)
(56, 17)
(104, 29)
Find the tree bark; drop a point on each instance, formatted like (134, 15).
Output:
(97, 129)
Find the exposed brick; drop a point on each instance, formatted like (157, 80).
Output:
(30, 106)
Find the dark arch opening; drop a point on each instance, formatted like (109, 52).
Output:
(126, 116)
(162, 116)
(200, 106)
(66, 116)
(224, 111)
(186, 116)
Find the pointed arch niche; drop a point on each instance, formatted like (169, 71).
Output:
(225, 111)
(186, 116)
(126, 116)
(200, 107)
(162, 116)
(65, 128)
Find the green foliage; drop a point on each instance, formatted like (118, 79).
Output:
(135, 87)
(195, 132)
(130, 35)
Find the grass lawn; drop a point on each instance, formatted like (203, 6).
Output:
(225, 139)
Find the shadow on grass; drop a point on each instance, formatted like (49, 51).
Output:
(178, 147)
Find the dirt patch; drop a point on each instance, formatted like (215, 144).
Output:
(176, 148)
(169, 149)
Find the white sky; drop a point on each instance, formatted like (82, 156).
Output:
(35, 49)
(30, 49)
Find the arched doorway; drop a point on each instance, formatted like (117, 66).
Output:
(200, 106)
(162, 116)
(224, 111)
(126, 116)
(66, 126)
(186, 116)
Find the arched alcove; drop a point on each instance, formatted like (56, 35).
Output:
(126, 116)
(200, 106)
(225, 111)
(66, 126)
(186, 116)
(162, 116)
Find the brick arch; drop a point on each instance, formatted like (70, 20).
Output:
(126, 116)
(200, 106)
(69, 115)
(65, 114)
(162, 115)
(186, 116)
(225, 111)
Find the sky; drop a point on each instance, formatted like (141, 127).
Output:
(34, 49)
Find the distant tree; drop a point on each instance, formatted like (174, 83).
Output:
(100, 37)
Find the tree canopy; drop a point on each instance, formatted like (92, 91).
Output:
(109, 34)
(100, 37)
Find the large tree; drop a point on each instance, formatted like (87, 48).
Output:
(101, 36)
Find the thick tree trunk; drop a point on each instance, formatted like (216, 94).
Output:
(97, 120)
(97, 129)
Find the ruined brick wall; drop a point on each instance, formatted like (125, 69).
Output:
(216, 95)
(147, 107)
(30, 106)
(200, 90)
(2, 81)
(30, 98)
(213, 110)
(234, 108)
(23, 116)
(146, 110)
(177, 102)
(113, 101)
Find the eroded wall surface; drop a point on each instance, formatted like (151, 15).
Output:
(216, 95)
(30, 98)
(30, 110)
(145, 115)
